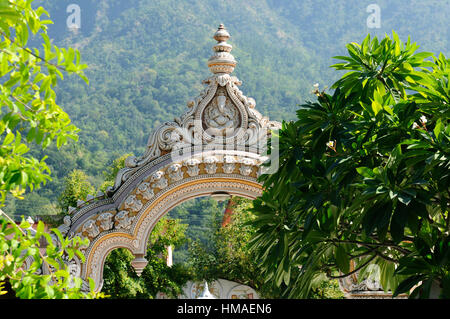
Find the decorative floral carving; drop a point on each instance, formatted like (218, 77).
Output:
(192, 166)
(123, 221)
(229, 163)
(91, 228)
(175, 172)
(246, 166)
(145, 190)
(106, 222)
(159, 180)
(133, 204)
(210, 164)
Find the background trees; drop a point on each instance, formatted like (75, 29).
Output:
(29, 113)
(227, 255)
(76, 187)
(364, 176)
(141, 74)
(121, 281)
(134, 70)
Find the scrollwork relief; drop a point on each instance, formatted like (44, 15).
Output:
(91, 228)
(106, 221)
(145, 191)
(133, 203)
(123, 220)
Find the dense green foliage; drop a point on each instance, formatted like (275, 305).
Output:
(76, 187)
(29, 115)
(364, 177)
(28, 109)
(147, 58)
(202, 216)
(227, 255)
(121, 281)
(18, 243)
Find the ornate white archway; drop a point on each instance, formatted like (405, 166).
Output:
(217, 146)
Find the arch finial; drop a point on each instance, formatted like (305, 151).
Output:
(222, 60)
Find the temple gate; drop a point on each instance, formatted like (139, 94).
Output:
(215, 148)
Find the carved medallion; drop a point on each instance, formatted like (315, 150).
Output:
(221, 117)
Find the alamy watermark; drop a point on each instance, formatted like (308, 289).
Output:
(374, 19)
(74, 19)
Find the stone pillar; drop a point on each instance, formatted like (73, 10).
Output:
(169, 259)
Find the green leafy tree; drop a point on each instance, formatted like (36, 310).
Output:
(202, 215)
(28, 109)
(157, 275)
(111, 171)
(29, 115)
(18, 244)
(364, 177)
(76, 187)
(226, 255)
(121, 281)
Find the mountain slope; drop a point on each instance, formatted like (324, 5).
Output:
(147, 58)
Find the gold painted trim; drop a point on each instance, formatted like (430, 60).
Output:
(195, 182)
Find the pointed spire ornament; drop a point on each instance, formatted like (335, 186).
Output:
(222, 60)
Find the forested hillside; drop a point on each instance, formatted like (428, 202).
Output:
(147, 58)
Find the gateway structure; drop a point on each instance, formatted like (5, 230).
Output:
(215, 148)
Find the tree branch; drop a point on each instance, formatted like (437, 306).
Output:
(355, 270)
(33, 54)
(24, 234)
(370, 245)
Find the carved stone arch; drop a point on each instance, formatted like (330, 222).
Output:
(182, 161)
(153, 211)
(93, 267)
